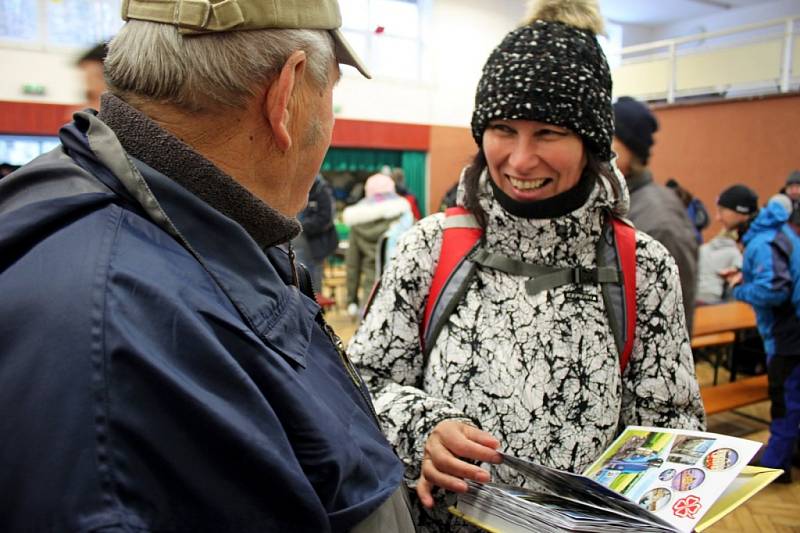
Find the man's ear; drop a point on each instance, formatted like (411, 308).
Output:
(276, 104)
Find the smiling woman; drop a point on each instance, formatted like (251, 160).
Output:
(534, 364)
(530, 160)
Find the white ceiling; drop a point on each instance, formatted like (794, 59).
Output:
(657, 12)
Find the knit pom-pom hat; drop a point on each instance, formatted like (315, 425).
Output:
(551, 70)
(379, 184)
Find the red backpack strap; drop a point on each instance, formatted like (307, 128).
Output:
(625, 241)
(461, 233)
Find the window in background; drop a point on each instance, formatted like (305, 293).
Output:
(20, 149)
(18, 22)
(82, 22)
(611, 43)
(59, 23)
(387, 34)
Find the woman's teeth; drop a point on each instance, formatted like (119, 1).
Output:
(526, 185)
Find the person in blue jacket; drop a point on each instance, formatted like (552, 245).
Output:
(770, 282)
(163, 364)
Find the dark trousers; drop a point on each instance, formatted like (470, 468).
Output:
(784, 392)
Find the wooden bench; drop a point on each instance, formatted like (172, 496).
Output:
(729, 396)
(715, 347)
(713, 339)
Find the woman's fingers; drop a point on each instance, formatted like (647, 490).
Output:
(443, 464)
(443, 479)
(424, 489)
(463, 440)
(441, 460)
(480, 445)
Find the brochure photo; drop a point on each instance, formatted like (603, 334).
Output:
(649, 479)
(676, 475)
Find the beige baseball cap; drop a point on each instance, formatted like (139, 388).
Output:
(206, 16)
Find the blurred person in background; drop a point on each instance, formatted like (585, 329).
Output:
(319, 238)
(770, 281)
(792, 190)
(655, 210)
(736, 207)
(695, 209)
(449, 198)
(91, 66)
(376, 223)
(399, 178)
(792, 187)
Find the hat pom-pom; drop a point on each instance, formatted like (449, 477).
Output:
(581, 14)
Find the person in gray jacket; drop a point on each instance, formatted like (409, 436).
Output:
(654, 209)
(736, 206)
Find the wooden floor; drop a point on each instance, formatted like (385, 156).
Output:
(774, 509)
(777, 507)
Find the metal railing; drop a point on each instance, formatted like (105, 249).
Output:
(762, 57)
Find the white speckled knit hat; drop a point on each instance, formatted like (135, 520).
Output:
(551, 70)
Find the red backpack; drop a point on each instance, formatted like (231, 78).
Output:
(462, 252)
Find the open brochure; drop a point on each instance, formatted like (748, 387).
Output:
(649, 479)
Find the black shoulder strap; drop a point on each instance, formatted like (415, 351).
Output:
(451, 294)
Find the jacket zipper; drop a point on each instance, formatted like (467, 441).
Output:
(349, 367)
(337, 344)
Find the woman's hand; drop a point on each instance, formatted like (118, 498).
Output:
(448, 443)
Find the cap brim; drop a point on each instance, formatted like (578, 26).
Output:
(345, 54)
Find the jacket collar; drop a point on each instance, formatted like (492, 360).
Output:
(149, 143)
(639, 180)
(258, 287)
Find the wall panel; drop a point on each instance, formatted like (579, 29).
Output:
(709, 146)
(451, 149)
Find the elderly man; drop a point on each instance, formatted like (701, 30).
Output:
(164, 366)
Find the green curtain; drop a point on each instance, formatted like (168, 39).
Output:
(413, 165)
(368, 160)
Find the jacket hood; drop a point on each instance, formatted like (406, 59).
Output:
(771, 217)
(382, 207)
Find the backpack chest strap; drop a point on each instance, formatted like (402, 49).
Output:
(545, 277)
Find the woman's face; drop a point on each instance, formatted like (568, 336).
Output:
(530, 160)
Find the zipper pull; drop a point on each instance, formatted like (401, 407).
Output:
(295, 279)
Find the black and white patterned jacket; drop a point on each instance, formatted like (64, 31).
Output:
(541, 373)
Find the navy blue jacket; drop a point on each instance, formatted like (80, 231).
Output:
(160, 372)
(771, 269)
(318, 219)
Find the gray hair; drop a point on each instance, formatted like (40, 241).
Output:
(151, 61)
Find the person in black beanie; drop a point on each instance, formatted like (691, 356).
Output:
(532, 360)
(654, 209)
(736, 207)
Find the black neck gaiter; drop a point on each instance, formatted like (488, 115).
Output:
(553, 207)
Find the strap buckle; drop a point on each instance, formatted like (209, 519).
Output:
(582, 276)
